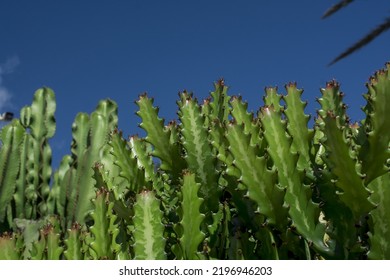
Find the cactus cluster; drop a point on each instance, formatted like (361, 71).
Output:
(219, 183)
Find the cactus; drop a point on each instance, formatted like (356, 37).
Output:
(77, 189)
(303, 212)
(148, 228)
(9, 248)
(104, 230)
(48, 246)
(75, 243)
(375, 152)
(39, 118)
(379, 231)
(12, 136)
(26, 160)
(199, 155)
(220, 183)
(189, 233)
(159, 136)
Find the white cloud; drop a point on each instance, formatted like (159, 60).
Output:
(6, 68)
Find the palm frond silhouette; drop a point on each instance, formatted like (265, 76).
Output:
(336, 7)
(384, 26)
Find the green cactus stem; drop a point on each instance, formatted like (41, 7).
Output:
(189, 227)
(219, 104)
(39, 118)
(375, 152)
(12, 138)
(159, 137)
(148, 233)
(104, 230)
(74, 243)
(90, 134)
(344, 164)
(380, 230)
(259, 181)
(8, 247)
(303, 211)
(199, 154)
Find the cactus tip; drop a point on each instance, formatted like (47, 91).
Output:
(116, 130)
(291, 85)
(266, 110)
(332, 84)
(75, 226)
(207, 100)
(331, 114)
(102, 191)
(47, 229)
(172, 123)
(143, 95)
(221, 82)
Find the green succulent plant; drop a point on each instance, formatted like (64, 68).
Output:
(221, 183)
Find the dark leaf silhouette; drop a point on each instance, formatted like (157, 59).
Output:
(364, 41)
(336, 7)
(385, 25)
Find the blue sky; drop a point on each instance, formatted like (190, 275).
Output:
(91, 50)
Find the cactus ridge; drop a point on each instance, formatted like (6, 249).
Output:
(188, 230)
(10, 164)
(199, 154)
(380, 233)
(159, 137)
(104, 230)
(259, 181)
(376, 128)
(303, 212)
(148, 228)
(346, 169)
